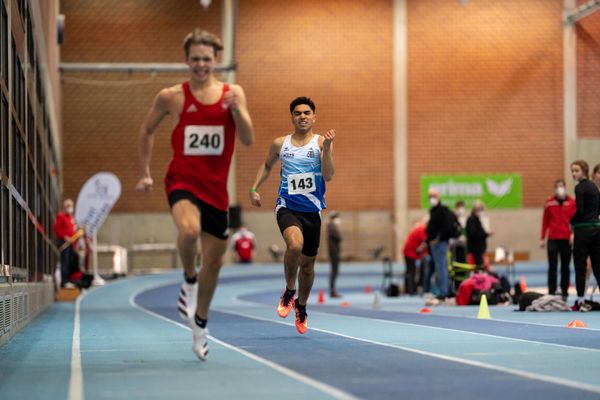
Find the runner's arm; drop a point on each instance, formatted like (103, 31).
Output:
(327, 155)
(146, 138)
(264, 171)
(241, 116)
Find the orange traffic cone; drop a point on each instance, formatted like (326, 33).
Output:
(425, 310)
(321, 298)
(523, 285)
(576, 324)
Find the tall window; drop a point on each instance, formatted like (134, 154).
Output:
(4, 136)
(4, 43)
(5, 225)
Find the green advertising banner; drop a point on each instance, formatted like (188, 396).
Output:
(495, 190)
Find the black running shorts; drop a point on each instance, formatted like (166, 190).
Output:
(212, 220)
(308, 222)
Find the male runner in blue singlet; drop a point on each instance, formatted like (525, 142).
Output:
(306, 164)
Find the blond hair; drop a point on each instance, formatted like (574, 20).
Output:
(200, 36)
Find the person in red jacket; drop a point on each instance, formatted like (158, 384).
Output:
(415, 248)
(558, 211)
(64, 229)
(244, 243)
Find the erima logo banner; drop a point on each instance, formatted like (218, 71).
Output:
(498, 189)
(495, 190)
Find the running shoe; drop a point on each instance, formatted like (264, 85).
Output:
(199, 340)
(186, 304)
(301, 318)
(285, 304)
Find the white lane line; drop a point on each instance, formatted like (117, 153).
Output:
(523, 374)
(323, 387)
(586, 349)
(579, 315)
(76, 382)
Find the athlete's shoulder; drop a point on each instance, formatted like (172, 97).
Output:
(169, 94)
(234, 87)
(278, 141)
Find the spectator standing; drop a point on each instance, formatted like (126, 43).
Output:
(586, 229)
(477, 235)
(415, 249)
(558, 210)
(64, 228)
(334, 240)
(596, 175)
(439, 231)
(459, 244)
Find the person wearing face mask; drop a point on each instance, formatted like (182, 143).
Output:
(458, 245)
(439, 231)
(477, 235)
(558, 210)
(334, 239)
(586, 229)
(64, 229)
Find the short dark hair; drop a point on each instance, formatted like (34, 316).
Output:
(596, 168)
(560, 180)
(302, 100)
(585, 168)
(459, 203)
(200, 36)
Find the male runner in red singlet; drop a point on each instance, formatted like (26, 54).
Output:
(205, 114)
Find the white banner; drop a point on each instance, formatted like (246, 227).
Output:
(96, 198)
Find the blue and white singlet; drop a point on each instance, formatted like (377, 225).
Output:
(302, 187)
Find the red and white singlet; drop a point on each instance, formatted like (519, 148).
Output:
(203, 143)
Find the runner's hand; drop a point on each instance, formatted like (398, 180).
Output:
(329, 136)
(255, 199)
(230, 100)
(144, 184)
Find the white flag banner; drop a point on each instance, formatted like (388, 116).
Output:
(96, 198)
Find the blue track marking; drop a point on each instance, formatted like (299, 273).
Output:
(361, 368)
(130, 352)
(36, 362)
(127, 353)
(583, 338)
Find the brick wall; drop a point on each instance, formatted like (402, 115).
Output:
(484, 91)
(588, 78)
(338, 53)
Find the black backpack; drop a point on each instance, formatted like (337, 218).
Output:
(454, 227)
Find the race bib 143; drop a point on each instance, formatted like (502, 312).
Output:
(301, 183)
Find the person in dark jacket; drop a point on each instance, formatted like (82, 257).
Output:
(439, 231)
(558, 210)
(334, 239)
(477, 235)
(586, 229)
